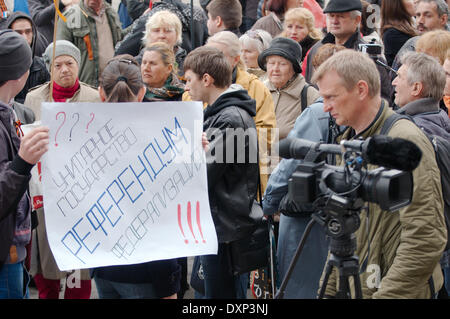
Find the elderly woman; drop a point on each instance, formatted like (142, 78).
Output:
(299, 26)
(290, 92)
(158, 69)
(165, 26)
(253, 42)
(66, 84)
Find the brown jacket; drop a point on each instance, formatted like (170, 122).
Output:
(41, 94)
(287, 103)
(42, 260)
(402, 249)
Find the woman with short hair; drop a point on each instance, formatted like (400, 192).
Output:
(253, 42)
(299, 25)
(165, 26)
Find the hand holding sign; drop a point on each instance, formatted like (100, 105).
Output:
(34, 144)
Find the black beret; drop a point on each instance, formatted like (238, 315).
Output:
(286, 48)
(343, 6)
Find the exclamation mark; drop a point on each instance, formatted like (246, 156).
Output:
(198, 220)
(39, 170)
(179, 223)
(189, 217)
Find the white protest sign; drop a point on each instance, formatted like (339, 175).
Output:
(125, 183)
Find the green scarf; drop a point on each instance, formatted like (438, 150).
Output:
(172, 90)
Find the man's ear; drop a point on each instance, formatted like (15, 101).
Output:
(417, 89)
(363, 89)
(218, 21)
(444, 19)
(207, 80)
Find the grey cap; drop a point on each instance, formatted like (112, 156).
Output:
(63, 47)
(15, 55)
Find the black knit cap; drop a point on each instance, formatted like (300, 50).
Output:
(15, 55)
(286, 48)
(342, 6)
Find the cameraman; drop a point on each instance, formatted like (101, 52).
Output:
(398, 251)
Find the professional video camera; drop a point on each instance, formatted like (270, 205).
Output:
(339, 193)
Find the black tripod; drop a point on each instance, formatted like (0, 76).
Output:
(342, 257)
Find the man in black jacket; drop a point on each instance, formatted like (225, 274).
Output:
(232, 165)
(344, 17)
(24, 25)
(17, 157)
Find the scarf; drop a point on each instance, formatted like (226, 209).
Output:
(61, 94)
(172, 89)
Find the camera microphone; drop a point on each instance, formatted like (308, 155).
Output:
(392, 153)
(381, 150)
(299, 148)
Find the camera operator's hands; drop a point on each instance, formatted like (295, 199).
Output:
(34, 144)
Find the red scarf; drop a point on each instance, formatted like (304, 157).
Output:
(60, 94)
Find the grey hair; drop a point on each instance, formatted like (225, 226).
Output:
(261, 40)
(427, 70)
(355, 13)
(441, 6)
(229, 39)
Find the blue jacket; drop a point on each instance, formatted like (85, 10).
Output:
(312, 124)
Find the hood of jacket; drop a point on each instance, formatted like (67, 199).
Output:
(235, 95)
(21, 15)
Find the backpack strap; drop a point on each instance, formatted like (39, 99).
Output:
(387, 125)
(304, 96)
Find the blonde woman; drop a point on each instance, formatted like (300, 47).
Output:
(299, 25)
(435, 43)
(165, 26)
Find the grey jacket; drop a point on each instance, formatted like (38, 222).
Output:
(428, 116)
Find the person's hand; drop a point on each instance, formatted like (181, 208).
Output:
(34, 144)
(205, 142)
(174, 296)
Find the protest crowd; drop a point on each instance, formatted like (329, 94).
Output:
(320, 70)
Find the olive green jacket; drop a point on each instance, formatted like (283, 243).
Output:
(399, 251)
(80, 29)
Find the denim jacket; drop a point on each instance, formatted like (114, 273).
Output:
(312, 124)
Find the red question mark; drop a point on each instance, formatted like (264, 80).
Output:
(92, 118)
(57, 131)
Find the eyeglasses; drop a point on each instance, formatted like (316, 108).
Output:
(254, 35)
